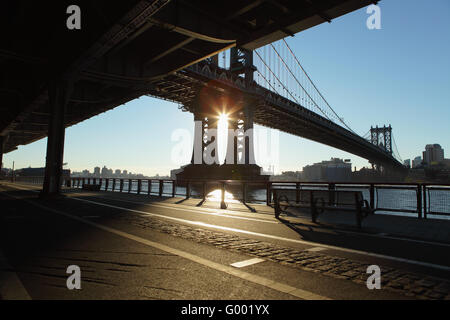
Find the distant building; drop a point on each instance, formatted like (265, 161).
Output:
(287, 176)
(433, 154)
(333, 170)
(117, 172)
(124, 173)
(106, 173)
(37, 172)
(407, 163)
(417, 162)
(97, 172)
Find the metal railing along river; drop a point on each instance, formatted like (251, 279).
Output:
(418, 199)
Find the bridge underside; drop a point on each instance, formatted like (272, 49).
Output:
(53, 77)
(126, 49)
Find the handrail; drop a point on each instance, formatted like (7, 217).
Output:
(428, 199)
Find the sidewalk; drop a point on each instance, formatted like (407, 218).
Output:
(433, 230)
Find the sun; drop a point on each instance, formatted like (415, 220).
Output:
(223, 118)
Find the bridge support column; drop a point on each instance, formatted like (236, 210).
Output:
(59, 92)
(248, 138)
(2, 144)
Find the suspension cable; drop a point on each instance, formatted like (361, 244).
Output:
(289, 70)
(306, 74)
(274, 75)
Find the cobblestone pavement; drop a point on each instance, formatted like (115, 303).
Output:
(410, 284)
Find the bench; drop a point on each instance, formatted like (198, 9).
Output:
(91, 187)
(320, 200)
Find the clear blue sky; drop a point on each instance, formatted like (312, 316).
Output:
(399, 75)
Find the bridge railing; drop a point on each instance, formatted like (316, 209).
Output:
(421, 200)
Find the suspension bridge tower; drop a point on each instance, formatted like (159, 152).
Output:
(240, 159)
(382, 137)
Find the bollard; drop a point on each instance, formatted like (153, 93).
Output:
(223, 205)
(204, 190)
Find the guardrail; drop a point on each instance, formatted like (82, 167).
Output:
(421, 199)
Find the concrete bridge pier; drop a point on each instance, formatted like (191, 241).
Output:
(2, 145)
(249, 137)
(59, 91)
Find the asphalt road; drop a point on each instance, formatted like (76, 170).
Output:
(128, 247)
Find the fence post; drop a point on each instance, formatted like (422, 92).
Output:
(297, 192)
(130, 183)
(114, 184)
(106, 184)
(100, 182)
(121, 185)
(204, 190)
(149, 186)
(276, 204)
(332, 194)
(372, 196)
(419, 200)
(139, 186)
(424, 192)
(174, 188)
(161, 186)
(268, 193)
(188, 189)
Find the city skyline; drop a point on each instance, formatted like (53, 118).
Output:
(369, 76)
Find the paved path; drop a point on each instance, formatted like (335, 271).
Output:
(136, 247)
